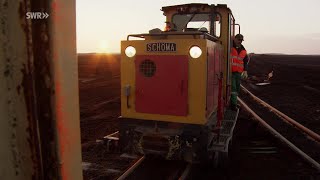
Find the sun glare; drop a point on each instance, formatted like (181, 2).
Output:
(103, 47)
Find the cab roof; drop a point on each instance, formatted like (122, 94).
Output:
(188, 7)
(185, 7)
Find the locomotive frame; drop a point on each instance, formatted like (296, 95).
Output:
(175, 86)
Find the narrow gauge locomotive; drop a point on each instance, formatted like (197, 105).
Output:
(175, 86)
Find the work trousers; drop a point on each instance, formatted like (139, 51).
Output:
(235, 87)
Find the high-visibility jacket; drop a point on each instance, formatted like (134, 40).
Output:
(237, 60)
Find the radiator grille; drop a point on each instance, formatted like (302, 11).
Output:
(147, 68)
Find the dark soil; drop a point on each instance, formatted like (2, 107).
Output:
(247, 162)
(294, 90)
(99, 89)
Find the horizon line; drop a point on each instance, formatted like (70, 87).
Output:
(113, 53)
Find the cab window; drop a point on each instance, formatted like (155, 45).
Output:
(217, 26)
(192, 22)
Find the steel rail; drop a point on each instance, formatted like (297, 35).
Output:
(131, 169)
(280, 137)
(309, 132)
(112, 134)
(185, 173)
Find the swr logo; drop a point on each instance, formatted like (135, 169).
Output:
(37, 15)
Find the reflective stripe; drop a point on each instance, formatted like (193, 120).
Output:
(237, 64)
(237, 60)
(234, 93)
(237, 57)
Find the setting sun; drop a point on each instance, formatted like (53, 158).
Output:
(103, 47)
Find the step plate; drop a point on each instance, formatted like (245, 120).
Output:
(221, 140)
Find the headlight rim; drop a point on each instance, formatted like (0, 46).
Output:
(195, 56)
(128, 53)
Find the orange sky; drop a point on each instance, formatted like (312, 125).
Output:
(269, 26)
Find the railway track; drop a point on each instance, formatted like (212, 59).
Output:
(149, 168)
(299, 138)
(156, 169)
(261, 148)
(131, 169)
(145, 168)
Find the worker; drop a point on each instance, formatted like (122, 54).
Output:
(167, 27)
(170, 26)
(239, 66)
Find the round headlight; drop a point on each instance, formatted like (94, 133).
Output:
(195, 52)
(130, 51)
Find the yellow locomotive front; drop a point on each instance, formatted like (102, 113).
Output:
(163, 81)
(173, 93)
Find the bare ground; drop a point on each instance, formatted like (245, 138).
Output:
(294, 89)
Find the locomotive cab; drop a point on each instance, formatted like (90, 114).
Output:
(175, 85)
